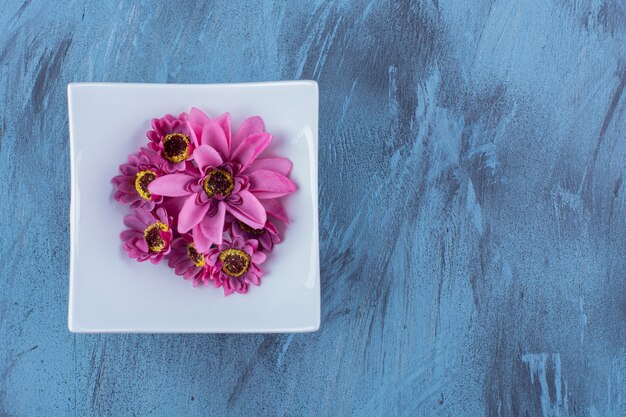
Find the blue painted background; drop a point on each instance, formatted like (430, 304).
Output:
(472, 208)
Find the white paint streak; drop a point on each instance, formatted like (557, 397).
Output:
(473, 208)
(583, 318)
(283, 351)
(539, 364)
(346, 104)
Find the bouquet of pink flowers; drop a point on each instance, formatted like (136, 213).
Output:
(202, 198)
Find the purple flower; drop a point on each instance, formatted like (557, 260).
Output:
(267, 236)
(149, 236)
(234, 265)
(173, 138)
(132, 186)
(187, 261)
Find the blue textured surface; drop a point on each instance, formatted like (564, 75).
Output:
(472, 209)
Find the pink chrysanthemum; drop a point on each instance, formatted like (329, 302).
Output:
(149, 236)
(228, 178)
(187, 261)
(234, 265)
(172, 137)
(267, 236)
(132, 186)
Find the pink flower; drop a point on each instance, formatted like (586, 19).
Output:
(187, 261)
(149, 235)
(132, 186)
(173, 139)
(234, 265)
(228, 178)
(267, 236)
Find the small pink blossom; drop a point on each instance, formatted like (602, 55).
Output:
(235, 265)
(132, 185)
(187, 261)
(174, 140)
(266, 236)
(149, 236)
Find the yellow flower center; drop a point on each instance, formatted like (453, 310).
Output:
(176, 147)
(235, 262)
(218, 182)
(143, 179)
(197, 258)
(153, 237)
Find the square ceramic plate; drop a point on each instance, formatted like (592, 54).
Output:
(110, 292)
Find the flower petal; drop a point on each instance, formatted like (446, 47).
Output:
(191, 214)
(128, 169)
(183, 266)
(250, 148)
(213, 135)
(157, 258)
(162, 215)
(197, 116)
(250, 126)
(130, 234)
(202, 242)
(207, 156)
(224, 122)
(195, 139)
(280, 165)
(265, 240)
(228, 290)
(197, 120)
(173, 206)
(213, 227)
(238, 243)
(130, 198)
(249, 210)
(174, 168)
(127, 187)
(172, 185)
(142, 245)
(258, 257)
(270, 184)
(275, 209)
(253, 278)
(153, 157)
(145, 217)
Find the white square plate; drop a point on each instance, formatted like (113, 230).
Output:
(110, 292)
